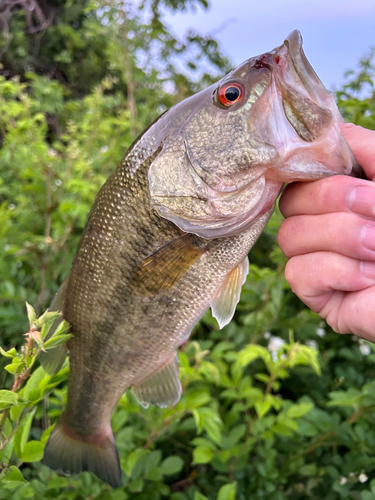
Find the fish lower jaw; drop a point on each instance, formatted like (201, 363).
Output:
(300, 161)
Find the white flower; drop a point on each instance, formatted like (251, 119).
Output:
(267, 335)
(321, 332)
(313, 344)
(362, 478)
(274, 345)
(11, 206)
(343, 481)
(58, 182)
(364, 347)
(52, 152)
(103, 149)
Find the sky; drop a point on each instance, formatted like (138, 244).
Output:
(336, 33)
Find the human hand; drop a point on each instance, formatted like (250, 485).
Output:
(329, 237)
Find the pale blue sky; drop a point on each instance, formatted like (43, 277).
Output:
(336, 33)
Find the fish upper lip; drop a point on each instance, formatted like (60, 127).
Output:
(303, 68)
(297, 58)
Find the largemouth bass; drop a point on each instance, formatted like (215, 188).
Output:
(168, 237)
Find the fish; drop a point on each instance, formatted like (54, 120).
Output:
(168, 237)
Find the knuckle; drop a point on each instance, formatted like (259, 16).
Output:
(333, 228)
(282, 235)
(331, 192)
(290, 273)
(288, 234)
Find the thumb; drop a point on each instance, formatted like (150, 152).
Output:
(362, 143)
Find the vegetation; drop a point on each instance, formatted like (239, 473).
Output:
(276, 405)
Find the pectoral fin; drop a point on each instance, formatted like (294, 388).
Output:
(53, 359)
(162, 388)
(162, 269)
(226, 300)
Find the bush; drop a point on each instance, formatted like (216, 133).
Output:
(275, 406)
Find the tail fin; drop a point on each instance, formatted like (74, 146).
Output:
(70, 453)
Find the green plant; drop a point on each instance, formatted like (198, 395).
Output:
(275, 406)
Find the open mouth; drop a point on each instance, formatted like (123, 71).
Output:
(303, 68)
(308, 114)
(320, 108)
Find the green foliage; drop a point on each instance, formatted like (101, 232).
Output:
(356, 98)
(276, 405)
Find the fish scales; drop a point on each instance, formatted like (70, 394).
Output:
(130, 346)
(168, 237)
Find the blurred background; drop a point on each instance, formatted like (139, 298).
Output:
(276, 405)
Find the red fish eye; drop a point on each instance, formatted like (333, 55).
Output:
(230, 93)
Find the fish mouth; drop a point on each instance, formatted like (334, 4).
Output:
(303, 68)
(316, 90)
(308, 105)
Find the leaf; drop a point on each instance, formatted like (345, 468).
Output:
(227, 492)
(22, 434)
(63, 327)
(118, 495)
(172, 465)
(33, 383)
(136, 486)
(199, 496)
(298, 410)
(367, 495)
(306, 429)
(57, 340)
(132, 459)
(55, 481)
(7, 399)
(30, 314)
(262, 407)
(8, 354)
(308, 470)
(202, 455)
(154, 474)
(14, 368)
(32, 451)
(13, 478)
(47, 320)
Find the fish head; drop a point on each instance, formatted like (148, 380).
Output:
(227, 151)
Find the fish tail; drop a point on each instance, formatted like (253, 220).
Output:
(71, 453)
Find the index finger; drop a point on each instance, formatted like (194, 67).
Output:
(334, 194)
(338, 194)
(362, 143)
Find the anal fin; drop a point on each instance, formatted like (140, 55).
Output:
(162, 388)
(227, 298)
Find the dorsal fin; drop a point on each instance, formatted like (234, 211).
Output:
(163, 268)
(227, 298)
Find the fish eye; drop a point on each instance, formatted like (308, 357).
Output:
(230, 93)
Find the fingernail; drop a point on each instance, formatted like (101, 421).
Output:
(368, 236)
(361, 200)
(368, 269)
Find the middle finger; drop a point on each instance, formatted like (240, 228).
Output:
(314, 233)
